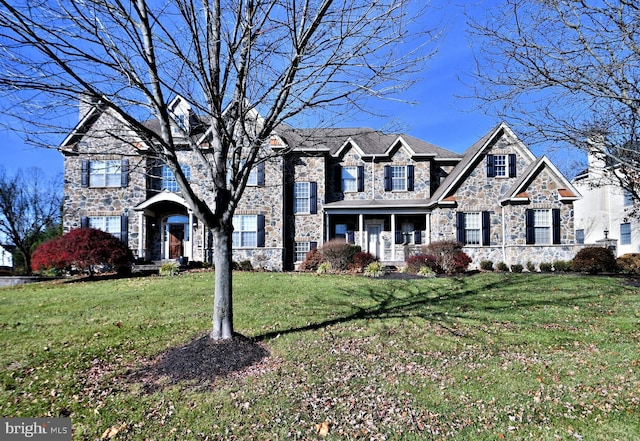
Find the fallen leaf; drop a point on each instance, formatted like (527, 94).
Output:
(323, 429)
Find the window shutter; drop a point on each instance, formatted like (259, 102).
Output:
(360, 178)
(85, 173)
(512, 165)
(337, 170)
(313, 197)
(555, 218)
(313, 245)
(417, 237)
(387, 178)
(399, 237)
(124, 173)
(410, 177)
(460, 227)
(261, 234)
(124, 229)
(84, 222)
(260, 173)
(491, 171)
(486, 228)
(530, 227)
(351, 237)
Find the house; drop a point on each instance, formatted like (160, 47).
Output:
(606, 214)
(6, 256)
(388, 193)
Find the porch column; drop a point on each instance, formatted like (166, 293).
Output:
(361, 230)
(427, 233)
(191, 238)
(141, 235)
(393, 237)
(327, 230)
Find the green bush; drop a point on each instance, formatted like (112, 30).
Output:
(531, 267)
(168, 269)
(324, 268)
(546, 267)
(374, 269)
(516, 268)
(562, 266)
(486, 265)
(501, 266)
(425, 271)
(629, 263)
(594, 260)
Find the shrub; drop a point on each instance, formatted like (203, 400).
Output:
(418, 261)
(339, 254)
(562, 266)
(531, 267)
(629, 263)
(486, 265)
(516, 268)
(546, 267)
(427, 272)
(450, 258)
(85, 249)
(312, 260)
(374, 269)
(168, 269)
(245, 265)
(502, 266)
(324, 268)
(362, 259)
(594, 260)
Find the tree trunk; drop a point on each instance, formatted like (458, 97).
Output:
(222, 302)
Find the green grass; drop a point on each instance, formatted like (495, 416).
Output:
(492, 356)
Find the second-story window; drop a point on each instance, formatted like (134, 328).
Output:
(349, 178)
(305, 198)
(105, 173)
(169, 182)
(398, 177)
(501, 166)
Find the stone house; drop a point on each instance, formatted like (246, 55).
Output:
(388, 193)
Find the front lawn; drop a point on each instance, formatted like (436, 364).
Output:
(490, 356)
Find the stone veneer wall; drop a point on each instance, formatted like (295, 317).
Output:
(308, 227)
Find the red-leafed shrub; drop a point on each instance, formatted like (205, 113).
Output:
(594, 260)
(450, 258)
(85, 250)
(312, 260)
(361, 259)
(418, 261)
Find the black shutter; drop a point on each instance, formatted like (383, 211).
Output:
(512, 165)
(124, 229)
(399, 237)
(555, 218)
(417, 237)
(387, 178)
(260, 173)
(360, 178)
(460, 227)
(486, 228)
(313, 197)
(261, 234)
(410, 179)
(530, 227)
(85, 173)
(84, 222)
(124, 173)
(313, 245)
(491, 170)
(351, 236)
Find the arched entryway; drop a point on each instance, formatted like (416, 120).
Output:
(175, 235)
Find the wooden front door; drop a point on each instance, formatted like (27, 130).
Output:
(176, 241)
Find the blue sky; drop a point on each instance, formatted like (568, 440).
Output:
(440, 117)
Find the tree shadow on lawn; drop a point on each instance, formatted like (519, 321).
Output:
(441, 306)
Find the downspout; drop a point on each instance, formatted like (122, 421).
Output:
(504, 236)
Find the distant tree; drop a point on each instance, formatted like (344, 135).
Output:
(568, 73)
(85, 250)
(231, 59)
(30, 206)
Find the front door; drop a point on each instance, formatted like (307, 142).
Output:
(373, 233)
(176, 241)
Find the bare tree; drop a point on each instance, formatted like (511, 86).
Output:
(567, 72)
(30, 203)
(229, 58)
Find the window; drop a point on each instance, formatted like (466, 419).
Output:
(245, 231)
(305, 198)
(105, 173)
(302, 248)
(625, 234)
(473, 228)
(169, 182)
(109, 224)
(628, 198)
(350, 178)
(398, 177)
(256, 174)
(501, 166)
(542, 226)
(580, 236)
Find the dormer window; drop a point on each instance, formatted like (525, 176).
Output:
(398, 177)
(501, 166)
